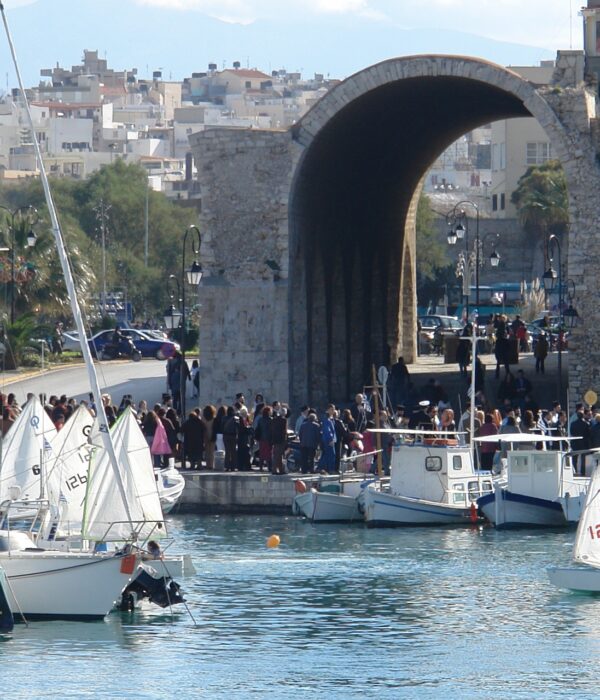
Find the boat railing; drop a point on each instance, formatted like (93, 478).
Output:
(136, 527)
(24, 515)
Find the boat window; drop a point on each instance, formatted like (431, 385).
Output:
(433, 464)
(473, 490)
(544, 464)
(486, 486)
(459, 497)
(519, 465)
(457, 463)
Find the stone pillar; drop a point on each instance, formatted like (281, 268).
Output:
(244, 177)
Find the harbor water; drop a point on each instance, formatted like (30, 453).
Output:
(336, 611)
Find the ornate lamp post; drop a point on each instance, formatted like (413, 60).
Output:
(568, 317)
(174, 318)
(468, 262)
(26, 215)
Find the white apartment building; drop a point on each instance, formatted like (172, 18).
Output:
(516, 145)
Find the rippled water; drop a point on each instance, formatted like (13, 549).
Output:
(335, 612)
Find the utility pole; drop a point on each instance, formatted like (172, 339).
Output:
(102, 215)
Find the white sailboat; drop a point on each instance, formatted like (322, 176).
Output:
(584, 575)
(54, 584)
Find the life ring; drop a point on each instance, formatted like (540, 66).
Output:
(300, 486)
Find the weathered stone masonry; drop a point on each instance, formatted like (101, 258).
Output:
(308, 235)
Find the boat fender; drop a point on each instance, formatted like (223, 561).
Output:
(473, 513)
(295, 509)
(300, 486)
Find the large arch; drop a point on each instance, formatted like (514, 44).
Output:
(362, 152)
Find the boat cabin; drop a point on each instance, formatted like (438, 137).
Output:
(437, 472)
(543, 474)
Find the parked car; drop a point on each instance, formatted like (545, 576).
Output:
(433, 325)
(149, 347)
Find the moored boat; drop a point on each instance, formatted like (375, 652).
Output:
(536, 488)
(432, 482)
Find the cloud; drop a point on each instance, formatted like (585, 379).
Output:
(246, 11)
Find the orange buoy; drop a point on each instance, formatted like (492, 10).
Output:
(273, 541)
(300, 486)
(473, 513)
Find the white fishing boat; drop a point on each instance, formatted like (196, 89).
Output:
(536, 487)
(331, 499)
(584, 573)
(433, 482)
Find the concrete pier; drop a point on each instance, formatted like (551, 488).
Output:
(237, 492)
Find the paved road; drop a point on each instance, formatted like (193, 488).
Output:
(143, 380)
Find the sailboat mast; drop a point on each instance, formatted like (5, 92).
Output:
(68, 275)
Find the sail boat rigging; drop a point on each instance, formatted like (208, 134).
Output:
(70, 283)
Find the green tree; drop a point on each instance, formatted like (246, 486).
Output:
(542, 201)
(434, 270)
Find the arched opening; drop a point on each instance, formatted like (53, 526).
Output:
(367, 146)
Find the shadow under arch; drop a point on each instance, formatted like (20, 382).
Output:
(364, 149)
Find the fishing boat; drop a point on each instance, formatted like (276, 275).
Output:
(536, 487)
(432, 482)
(323, 498)
(584, 573)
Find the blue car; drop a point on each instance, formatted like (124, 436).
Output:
(148, 346)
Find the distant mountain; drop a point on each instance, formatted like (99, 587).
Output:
(182, 42)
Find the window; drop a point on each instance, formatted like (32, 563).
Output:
(456, 463)
(519, 465)
(473, 487)
(459, 497)
(538, 152)
(494, 202)
(433, 464)
(503, 201)
(248, 85)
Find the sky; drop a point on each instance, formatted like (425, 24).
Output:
(335, 37)
(544, 23)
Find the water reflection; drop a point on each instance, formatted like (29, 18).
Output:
(336, 611)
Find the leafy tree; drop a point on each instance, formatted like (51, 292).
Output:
(122, 187)
(433, 268)
(541, 200)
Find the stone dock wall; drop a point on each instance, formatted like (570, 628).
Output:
(237, 493)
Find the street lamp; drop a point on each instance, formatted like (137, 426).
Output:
(174, 318)
(468, 262)
(23, 215)
(552, 279)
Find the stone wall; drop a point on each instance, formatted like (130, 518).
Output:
(244, 178)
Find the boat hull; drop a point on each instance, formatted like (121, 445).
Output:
(170, 487)
(327, 507)
(388, 510)
(64, 586)
(505, 509)
(575, 578)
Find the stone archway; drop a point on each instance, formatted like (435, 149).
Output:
(362, 153)
(308, 234)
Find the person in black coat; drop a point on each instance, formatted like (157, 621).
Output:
(310, 437)
(193, 440)
(580, 428)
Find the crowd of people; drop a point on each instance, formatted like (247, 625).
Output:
(261, 436)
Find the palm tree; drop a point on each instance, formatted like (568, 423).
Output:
(541, 200)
